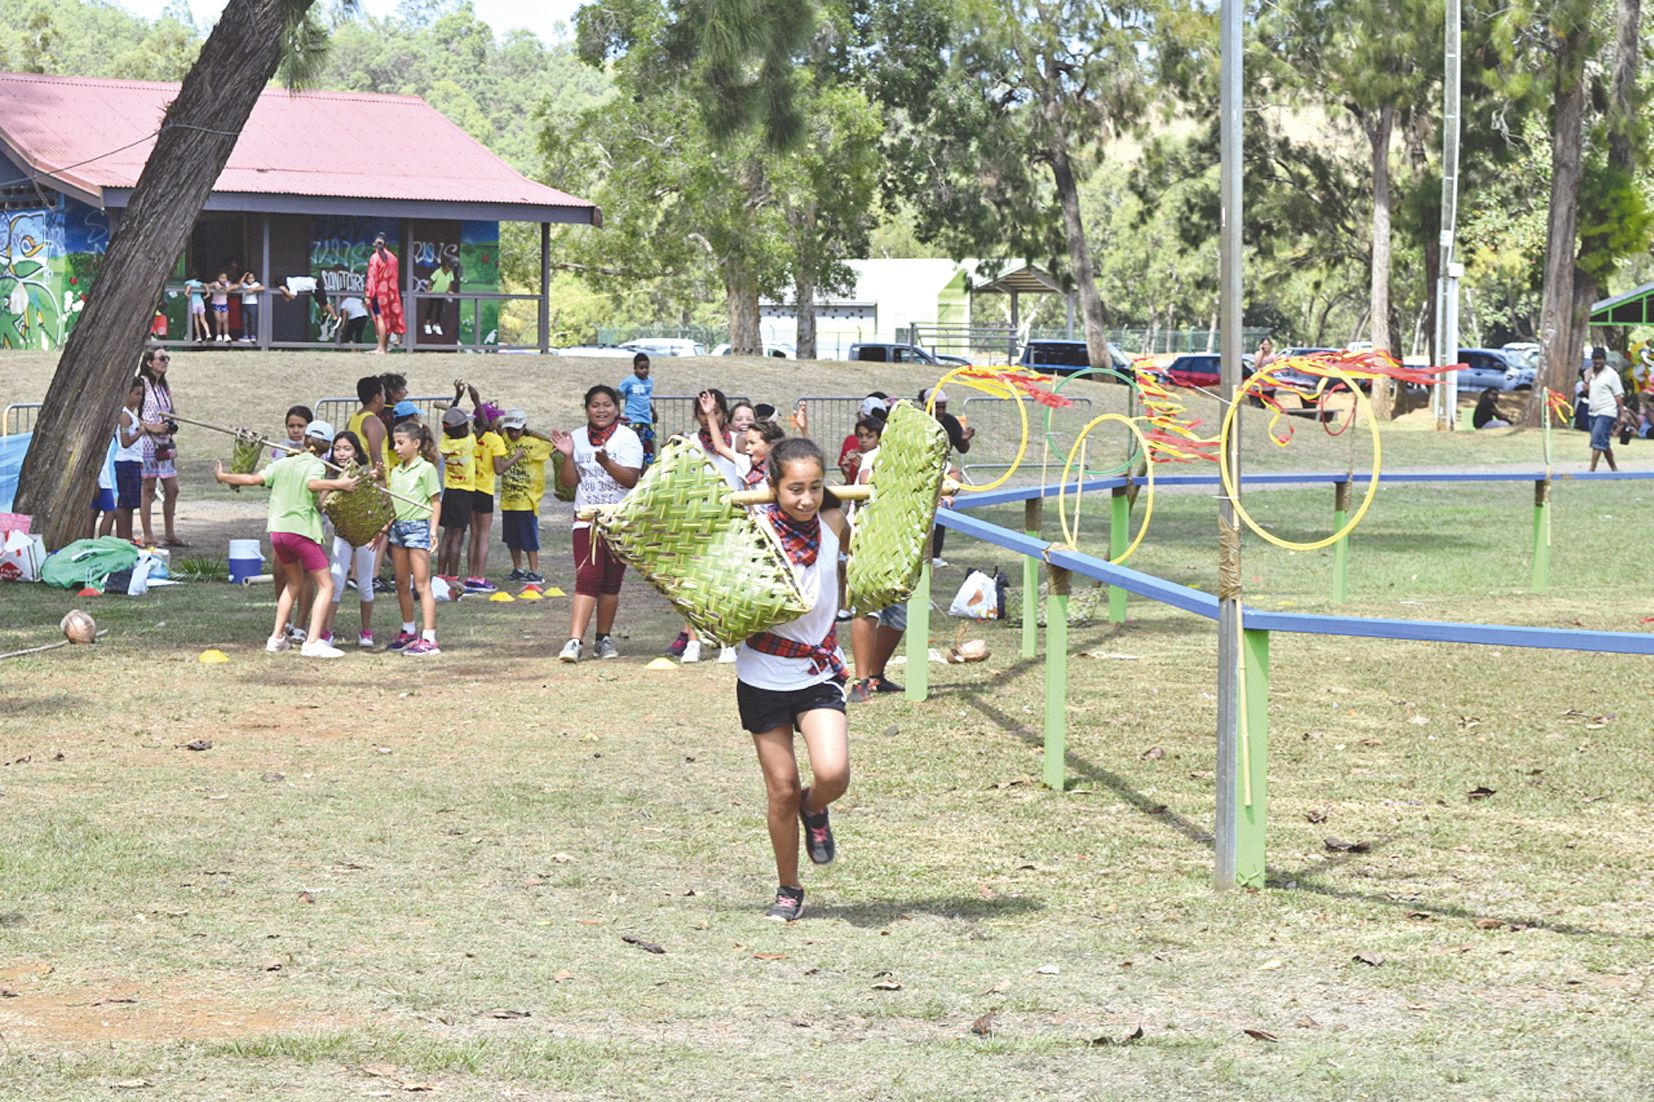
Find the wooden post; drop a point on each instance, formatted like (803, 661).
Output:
(1032, 509)
(1056, 679)
(545, 288)
(1252, 798)
(1119, 535)
(918, 638)
(1341, 549)
(1542, 535)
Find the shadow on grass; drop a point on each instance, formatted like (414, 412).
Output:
(49, 704)
(1151, 809)
(882, 912)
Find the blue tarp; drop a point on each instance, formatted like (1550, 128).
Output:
(12, 451)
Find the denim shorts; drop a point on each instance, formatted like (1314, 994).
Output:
(1602, 431)
(893, 617)
(412, 534)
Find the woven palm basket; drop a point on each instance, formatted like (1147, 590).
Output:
(359, 515)
(892, 529)
(718, 564)
(245, 454)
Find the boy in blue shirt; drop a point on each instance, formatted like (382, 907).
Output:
(637, 390)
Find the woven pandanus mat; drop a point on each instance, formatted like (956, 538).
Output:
(717, 563)
(892, 528)
(361, 514)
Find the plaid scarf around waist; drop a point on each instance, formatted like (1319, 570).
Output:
(822, 656)
(598, 436)
(800, 539)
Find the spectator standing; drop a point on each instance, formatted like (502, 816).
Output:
(384, 295)
(160, 469)
(638, 392)
(443, 280)
(1605, 397)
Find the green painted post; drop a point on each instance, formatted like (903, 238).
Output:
(1341, 549)
(1056, 680)
(918, 637)
(1542, 535)
(1032, 510)
(1252, 801)
(1119, 534)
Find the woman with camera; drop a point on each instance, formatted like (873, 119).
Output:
(160, 450)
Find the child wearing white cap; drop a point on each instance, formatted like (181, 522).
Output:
(522, 485)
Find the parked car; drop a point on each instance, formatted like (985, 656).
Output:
(1202, 369)
(1062, 356)
(666, 346)
(609, 351)
(778, 351)
(890, 353)
(1488, 367)
(1526, 356)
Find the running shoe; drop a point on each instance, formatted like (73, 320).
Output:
(534, 577)
(384, 585)
(403, 638)
(517, 575)
(317, 648)
(420, 648)
(276, 644)
(327, 637)
(818, 832)
(885, 685)
(364, 639)
(479, 585)
(605, 648)
(692, 651)
(727, 655)
(788, 905)
(938, 563)
(571, 651)
(676, 649)
(295, 635)
(860, 692)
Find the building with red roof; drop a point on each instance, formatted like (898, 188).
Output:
(313, 178)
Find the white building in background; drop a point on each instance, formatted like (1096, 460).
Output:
(891, 296)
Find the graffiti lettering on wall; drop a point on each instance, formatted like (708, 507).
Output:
(48, 259)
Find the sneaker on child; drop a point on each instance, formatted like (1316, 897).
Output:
(727, 655)
(364, 639)
(692, 651)
(571, 651)
(605, 648)
(403, 638)
(319, 648)
(421, 647)
(818, 832)
(788, 905)
(676, 649)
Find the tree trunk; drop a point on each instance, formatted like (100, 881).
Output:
(742, 296)
(804, 295)
(1378, 133)
(1079, 252)
(60, 473)
(1558, 336)
(1622, 91)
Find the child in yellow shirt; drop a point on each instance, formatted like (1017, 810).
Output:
(459, 485)
(522, 485)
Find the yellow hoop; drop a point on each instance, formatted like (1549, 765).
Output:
(1229, 479)
(1022, 412)
(1062, 487)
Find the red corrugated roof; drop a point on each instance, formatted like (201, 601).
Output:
(350, 144)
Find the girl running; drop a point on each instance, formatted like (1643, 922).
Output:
(296, 533)
(348, 560)
(604, 460)
(414, 477)
(792, 676)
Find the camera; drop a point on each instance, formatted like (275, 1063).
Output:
(172, 426)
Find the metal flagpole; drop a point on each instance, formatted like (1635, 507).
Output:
(1446, 395)
(1229, 315)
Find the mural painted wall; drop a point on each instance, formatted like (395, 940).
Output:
(474, 247)
(49, 259)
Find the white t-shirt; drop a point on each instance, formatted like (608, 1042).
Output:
(596, 486)
(819, 581)
(134, 454)
(1604, 387)
(250, 298)
(734, 473)
(352, 307)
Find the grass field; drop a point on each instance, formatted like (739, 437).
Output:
(384, 876)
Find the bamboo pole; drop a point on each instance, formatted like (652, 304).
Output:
(291, 450)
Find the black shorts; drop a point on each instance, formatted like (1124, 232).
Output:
(456, 508)
(482, 503)
(766, 709)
